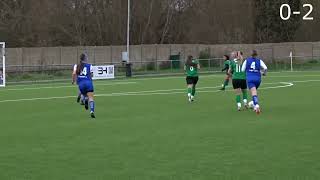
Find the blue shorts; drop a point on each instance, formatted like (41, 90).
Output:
(254, 83)
(85, 87)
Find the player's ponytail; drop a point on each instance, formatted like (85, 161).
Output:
(79, 67)
(226, 57)
(254, 53)
(83, 61)
(240, 56)
(189, 62)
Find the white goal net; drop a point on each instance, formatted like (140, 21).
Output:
(2, 65)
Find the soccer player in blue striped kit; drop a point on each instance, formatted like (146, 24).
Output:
(85, 83)
(254, 67)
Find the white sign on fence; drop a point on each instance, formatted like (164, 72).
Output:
(103, 72)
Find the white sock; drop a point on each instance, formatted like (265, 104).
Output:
(239, 105)
(245, 101)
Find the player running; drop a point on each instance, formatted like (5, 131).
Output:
(254, 66)
(191, 67)
(239, 79)
(84, 81)
(226, 68)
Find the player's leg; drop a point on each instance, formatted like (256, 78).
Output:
(245, 97)
(225, 83)
(189, 87)
(83, 92)
(237, 89)
(195, 82)
(238, 98)
(244, 91)
(254, 93)
(79, 97)
(91, 103)
(90, 94)
(86, 101)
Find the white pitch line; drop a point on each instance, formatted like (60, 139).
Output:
(286, 84)
(294, 76)
(35, 99)
(306, 81)
(70, 86)
(111, 94)
(119, 82)
(144, 93)
(163, 90)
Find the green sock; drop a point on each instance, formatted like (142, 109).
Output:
(226, 82)
(193, 91)
(245, 94)
(189, 91)
(238, 99)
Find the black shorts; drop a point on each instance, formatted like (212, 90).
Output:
(192, 80)
(239, 83)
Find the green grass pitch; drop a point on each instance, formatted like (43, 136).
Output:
(146, 130)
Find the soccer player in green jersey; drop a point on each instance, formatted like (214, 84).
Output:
(191, 67)
(239, 81)
(226, 68)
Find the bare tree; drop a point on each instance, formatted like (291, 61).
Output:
(103, 22)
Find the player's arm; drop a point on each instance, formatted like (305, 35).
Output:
(244, 66)
(231, 66)
(264, 67)
(229, 71)
(226, 67)
(198, 66)
(240, 56)
(91, 71)
(74, 74)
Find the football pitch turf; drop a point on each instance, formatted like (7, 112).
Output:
(146, 130)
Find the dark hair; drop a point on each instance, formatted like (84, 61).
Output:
(83, 57)
(80, 66)
(189, 61)
(227, 57)
(254, 53)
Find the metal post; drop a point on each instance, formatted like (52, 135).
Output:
(273, 58)
(60, 48)
(77, 55)
(22, 60)
(141, 53)
(128, 33)
(3, 64)
(111, 54)
(94, 55)
(157, 65)
(291, 61)
(312, 52)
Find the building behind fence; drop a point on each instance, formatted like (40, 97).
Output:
(154, 57)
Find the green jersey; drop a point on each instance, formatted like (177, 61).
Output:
(227, 63)
(192, 71)
(236, 67)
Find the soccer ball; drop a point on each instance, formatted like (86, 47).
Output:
(251, 105)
